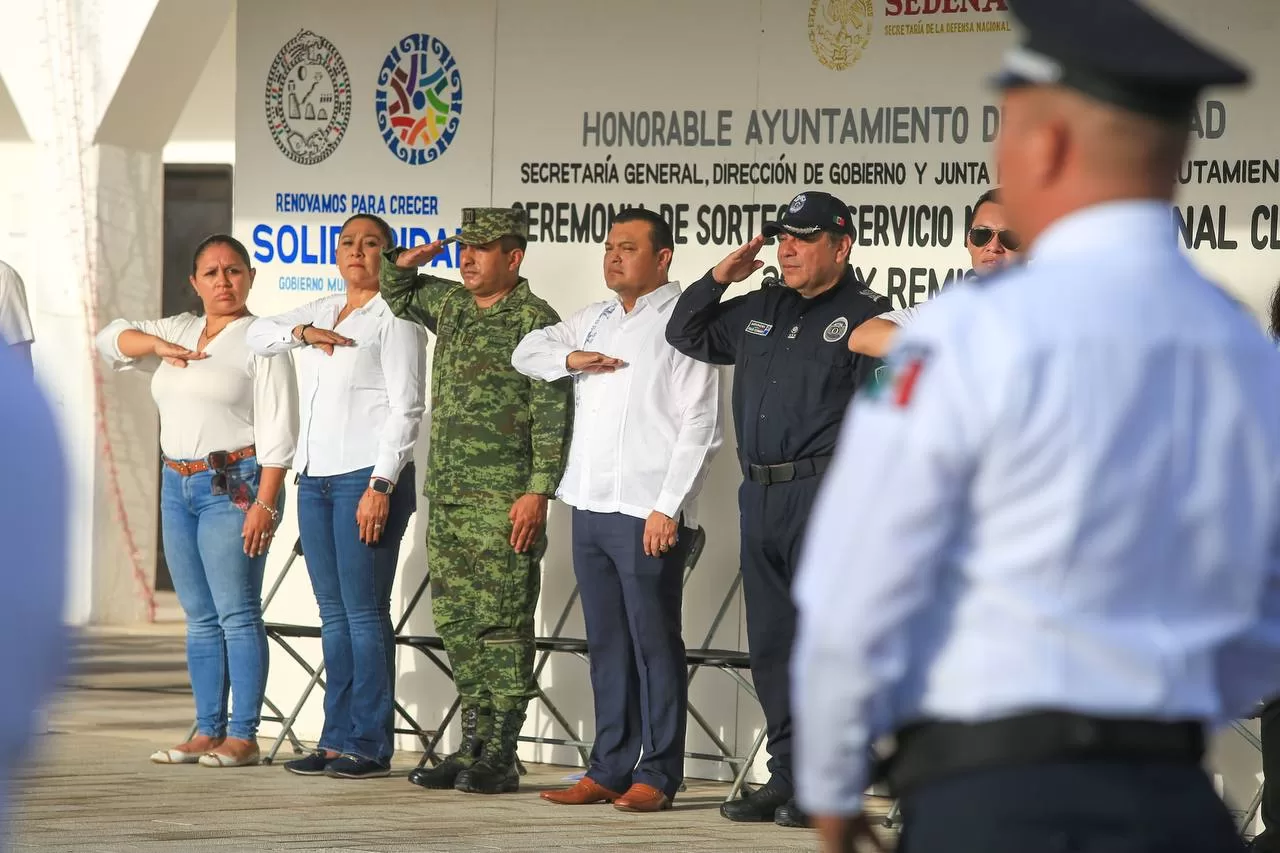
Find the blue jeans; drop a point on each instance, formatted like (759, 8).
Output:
(352, 585)
(220, 589)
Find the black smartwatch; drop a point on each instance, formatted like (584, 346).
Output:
(381, 486)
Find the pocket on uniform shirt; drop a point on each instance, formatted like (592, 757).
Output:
(834, 355)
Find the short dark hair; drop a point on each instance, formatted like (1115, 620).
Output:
(510, 242)
(219, 240)
(659, 229)
(387, 233)
(992, 195)
(1275, 313)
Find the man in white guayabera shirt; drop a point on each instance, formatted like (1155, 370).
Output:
(992, 246)
(647, 422)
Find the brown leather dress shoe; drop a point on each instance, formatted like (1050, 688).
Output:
(643, 798)
(585, 793)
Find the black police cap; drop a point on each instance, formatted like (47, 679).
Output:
(1114, 51)
(810, 213)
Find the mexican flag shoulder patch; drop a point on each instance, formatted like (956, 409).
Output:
(895, 381)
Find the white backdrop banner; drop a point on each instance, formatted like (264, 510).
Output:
(715, 113)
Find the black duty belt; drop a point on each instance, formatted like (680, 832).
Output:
(930, 751)
(785, 472)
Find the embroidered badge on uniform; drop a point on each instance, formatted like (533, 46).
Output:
(835, 331)
(895, 381)
(871, 294)
(756, 327)
(795, 330)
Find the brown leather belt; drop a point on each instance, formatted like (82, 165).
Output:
(214, 461)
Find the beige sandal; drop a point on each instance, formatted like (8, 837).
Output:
(174, 756)
(217, 759)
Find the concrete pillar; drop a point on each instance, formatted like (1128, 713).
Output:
(98, 88)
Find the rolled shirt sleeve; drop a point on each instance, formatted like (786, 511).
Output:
(107, 341)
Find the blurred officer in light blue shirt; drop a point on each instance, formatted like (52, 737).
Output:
(33, 530)
(1066, 566)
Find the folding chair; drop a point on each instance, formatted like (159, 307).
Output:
(1256, 742)
(281, 633)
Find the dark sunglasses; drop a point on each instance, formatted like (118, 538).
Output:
(218, 465)
(981, 235)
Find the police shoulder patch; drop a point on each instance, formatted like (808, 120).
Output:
(895, 381)
(871, 294)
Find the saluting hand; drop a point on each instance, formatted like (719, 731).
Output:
(740, 263)
(592, 362)
(411, 259)
(176, 355)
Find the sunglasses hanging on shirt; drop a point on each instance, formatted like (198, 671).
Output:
(981, 235)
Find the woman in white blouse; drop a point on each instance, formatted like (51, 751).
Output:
(228, 429)
(361, 377)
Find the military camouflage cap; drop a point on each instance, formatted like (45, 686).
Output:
(482, 225)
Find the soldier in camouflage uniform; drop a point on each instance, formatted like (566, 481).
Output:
(498, 448)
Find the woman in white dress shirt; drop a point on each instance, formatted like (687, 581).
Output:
(361, 376)
(228, 428)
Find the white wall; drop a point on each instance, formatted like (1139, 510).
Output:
(206, 129)
(531, 70)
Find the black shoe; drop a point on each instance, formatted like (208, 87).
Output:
(485, 777)
(495, 771)
(355, 767)
(760, 807)
(441, 777)
(477, 725)
(312, 765)
(790, 814)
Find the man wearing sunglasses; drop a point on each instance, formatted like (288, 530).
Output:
(992, 246)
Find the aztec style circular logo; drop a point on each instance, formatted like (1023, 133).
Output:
(418, 101)
(797, 203)
(839, 31)
(308, 98)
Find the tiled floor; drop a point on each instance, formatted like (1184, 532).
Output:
(91, 788)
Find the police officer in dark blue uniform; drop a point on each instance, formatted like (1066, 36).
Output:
(793, 379)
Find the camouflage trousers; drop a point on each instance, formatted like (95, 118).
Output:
(483, 596)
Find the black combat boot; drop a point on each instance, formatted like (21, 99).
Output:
(495, 771)
(477, 727)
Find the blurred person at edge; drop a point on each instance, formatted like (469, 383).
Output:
(15, 319)
(361, 373)
(33, 523)
(992, 246)
(1268, 841)
(228, 428)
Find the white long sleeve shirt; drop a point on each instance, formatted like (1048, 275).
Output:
(644, 435)
(363, 405)
(1048, 506)
(224, 402)
(15, 319)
